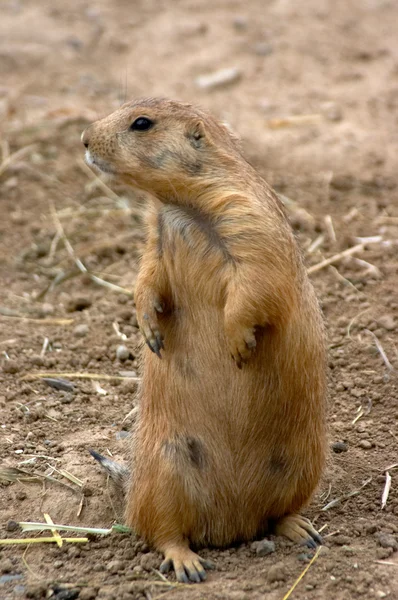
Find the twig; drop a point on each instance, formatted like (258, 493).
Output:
(295, 584)
(380, 349)
(162, 577)
(386, 490)
(30, 376)
(294, 120)
(345, 496)
(351, 323)
(372, 239)
(38, 540)
(12, 157)
(330, 229)
(82, 268)
(343, 279)
(393, 466)
(55, 533)
(45, 346)
(110, 193)
(39, 321)
(372, 269)
(315, 244)
(336, 258)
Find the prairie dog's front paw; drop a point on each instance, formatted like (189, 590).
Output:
(242, 342)
(147, 317)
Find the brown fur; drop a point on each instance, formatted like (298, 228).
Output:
(222, 446)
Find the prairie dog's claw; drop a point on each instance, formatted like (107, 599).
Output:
(188, 566)
(242, 345)
(150, 330)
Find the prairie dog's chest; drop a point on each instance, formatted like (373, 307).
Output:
(193, 252)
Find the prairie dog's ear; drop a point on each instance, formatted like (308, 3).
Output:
(235, 137)
(196, 133)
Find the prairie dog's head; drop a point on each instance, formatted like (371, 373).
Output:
(161, 146)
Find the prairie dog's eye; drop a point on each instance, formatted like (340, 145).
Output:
(141, 124)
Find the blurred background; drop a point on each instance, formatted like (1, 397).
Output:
(311, 87)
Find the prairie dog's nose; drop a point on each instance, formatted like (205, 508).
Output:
(85, 137)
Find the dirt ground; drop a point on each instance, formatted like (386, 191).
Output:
(314, 96)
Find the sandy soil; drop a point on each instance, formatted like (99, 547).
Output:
(315, 98)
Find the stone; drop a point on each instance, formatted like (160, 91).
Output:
(81, 330)
(262, 49)
(122, 353)
(339, 447)
(115, 566)
(57, 564)
(149, 561)
(11, 366)
(6, 565)
(383, 553)
(277, 572)
(12, 526)
(387, 322)
(365, 444)
(263, 547)
(332, 111)
(386, 540)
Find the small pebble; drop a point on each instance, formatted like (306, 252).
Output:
(340, 540)
(339, 447)
(387, 322)
(371, 528)
(6, 565)
(240, 23)
(12, 526)
(386, 540)
(263, 547)
(122, 435)
(11, 366)
(58, 564)
(357, 393)
(59, 384)
(383, 553)
(149, 561)
(277, 572)
(115, 566)
(122, 353)
(262, 49)
(365, 444)
(47, 309)
(332, 111)
(81, 330)
(37, 590)
(304, 557)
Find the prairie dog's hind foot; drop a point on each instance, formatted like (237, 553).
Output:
(188, 566)
(298, 529)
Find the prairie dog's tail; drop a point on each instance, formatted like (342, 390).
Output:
(119, 474)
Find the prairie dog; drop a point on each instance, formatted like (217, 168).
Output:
(231, 434)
